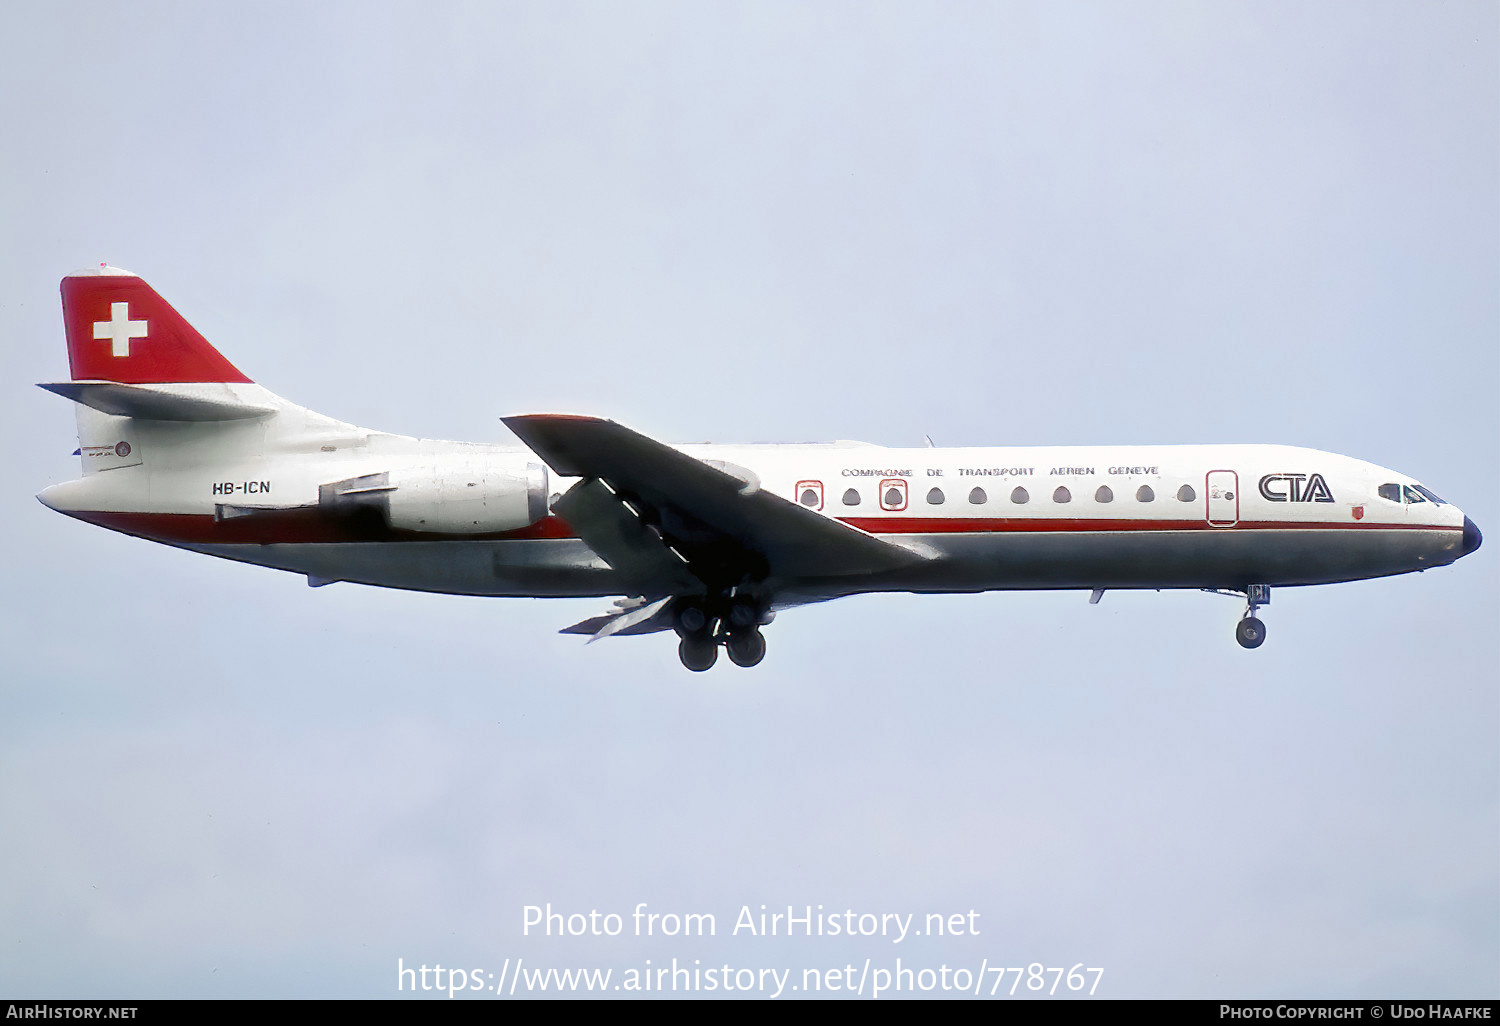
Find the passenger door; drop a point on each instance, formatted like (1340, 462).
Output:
(1222, 494)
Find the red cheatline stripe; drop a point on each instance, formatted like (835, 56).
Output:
(292, 527)
(300, 526)
(1005, 525)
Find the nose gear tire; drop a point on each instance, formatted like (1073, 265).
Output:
(1250, 632)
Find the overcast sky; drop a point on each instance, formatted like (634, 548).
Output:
(995, 223)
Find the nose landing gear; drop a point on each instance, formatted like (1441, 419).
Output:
(1250, 632)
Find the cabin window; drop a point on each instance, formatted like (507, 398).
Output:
(977, 497)
(935, 497)
(1390, 491)
(1412, 495)
(893, 497)
(1062, 495)
(1145, 494)
(1104, 494)
(810, 494)
(851, 497)
(1186, 494)
(1020, 496)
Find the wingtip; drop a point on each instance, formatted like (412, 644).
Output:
(520, 423)
(522, 420)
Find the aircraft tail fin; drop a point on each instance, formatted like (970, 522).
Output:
(145, 382)
(120, 329)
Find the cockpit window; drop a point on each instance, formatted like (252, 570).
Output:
(1409, 493)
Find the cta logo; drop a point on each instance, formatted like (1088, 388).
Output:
(1295, 488)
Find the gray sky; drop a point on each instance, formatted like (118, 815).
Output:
(994, 223)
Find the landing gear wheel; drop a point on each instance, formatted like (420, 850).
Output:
(698, 652)
(689, 619)
(1250, 632)
(744, 614)
(746, 648)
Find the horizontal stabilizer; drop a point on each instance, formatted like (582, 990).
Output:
(197, 401)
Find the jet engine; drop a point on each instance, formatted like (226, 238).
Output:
(477, 496)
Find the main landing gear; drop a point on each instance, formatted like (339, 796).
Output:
(698, 652)
(1250, 632)
(735, 624)
(746, 647)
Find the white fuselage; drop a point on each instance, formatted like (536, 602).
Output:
(708, 541)
(301, 492)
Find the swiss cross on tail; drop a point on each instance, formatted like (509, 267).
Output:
(119, 329)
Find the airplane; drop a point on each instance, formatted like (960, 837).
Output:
(707, 541)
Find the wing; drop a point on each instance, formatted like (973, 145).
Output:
(675, 525)
(633, 616)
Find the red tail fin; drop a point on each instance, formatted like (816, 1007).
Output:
(119, 329)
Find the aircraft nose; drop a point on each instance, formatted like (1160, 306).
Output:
(1472, 537)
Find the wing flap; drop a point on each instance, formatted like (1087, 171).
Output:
(631, 549)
